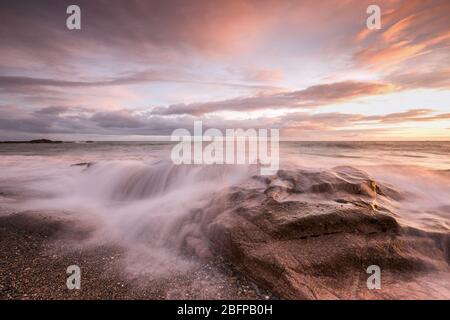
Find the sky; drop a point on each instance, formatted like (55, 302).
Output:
(141, 69)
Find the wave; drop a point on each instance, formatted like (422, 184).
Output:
(157, 209)
(146, 207)
(134, 180)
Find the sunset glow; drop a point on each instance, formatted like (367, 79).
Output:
(310, 68)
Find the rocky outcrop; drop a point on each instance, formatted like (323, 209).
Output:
(83, 164)
(312, 235)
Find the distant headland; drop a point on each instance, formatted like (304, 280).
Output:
(33, 141)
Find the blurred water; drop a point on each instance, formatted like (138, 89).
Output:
(136, 194)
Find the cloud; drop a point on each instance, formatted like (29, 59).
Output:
(23, 84)
(314, 96)
(117, 119)
(333, 120)
(16, 81)
(410, 115)
(138, 29)
(409, 31)
(422, 79)
(62, 120)
(52, 111)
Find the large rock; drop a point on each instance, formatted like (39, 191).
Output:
(306, 235)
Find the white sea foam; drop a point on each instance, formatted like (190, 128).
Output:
(137, 197)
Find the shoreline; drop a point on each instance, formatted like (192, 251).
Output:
(36, 248)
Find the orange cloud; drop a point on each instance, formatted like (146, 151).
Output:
(410, 30)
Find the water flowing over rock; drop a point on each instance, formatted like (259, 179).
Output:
(312, 235)
(299, 234)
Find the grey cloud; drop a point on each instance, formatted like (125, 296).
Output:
(118, 119)
(58, 120)
(40, 86)
(52, 111)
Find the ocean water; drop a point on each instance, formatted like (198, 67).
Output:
(137, 196)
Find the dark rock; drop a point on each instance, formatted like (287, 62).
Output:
(300, 249)
(33, 141)
(44, 141)
(83, 164)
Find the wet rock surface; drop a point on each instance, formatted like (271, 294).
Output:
(301, 249)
